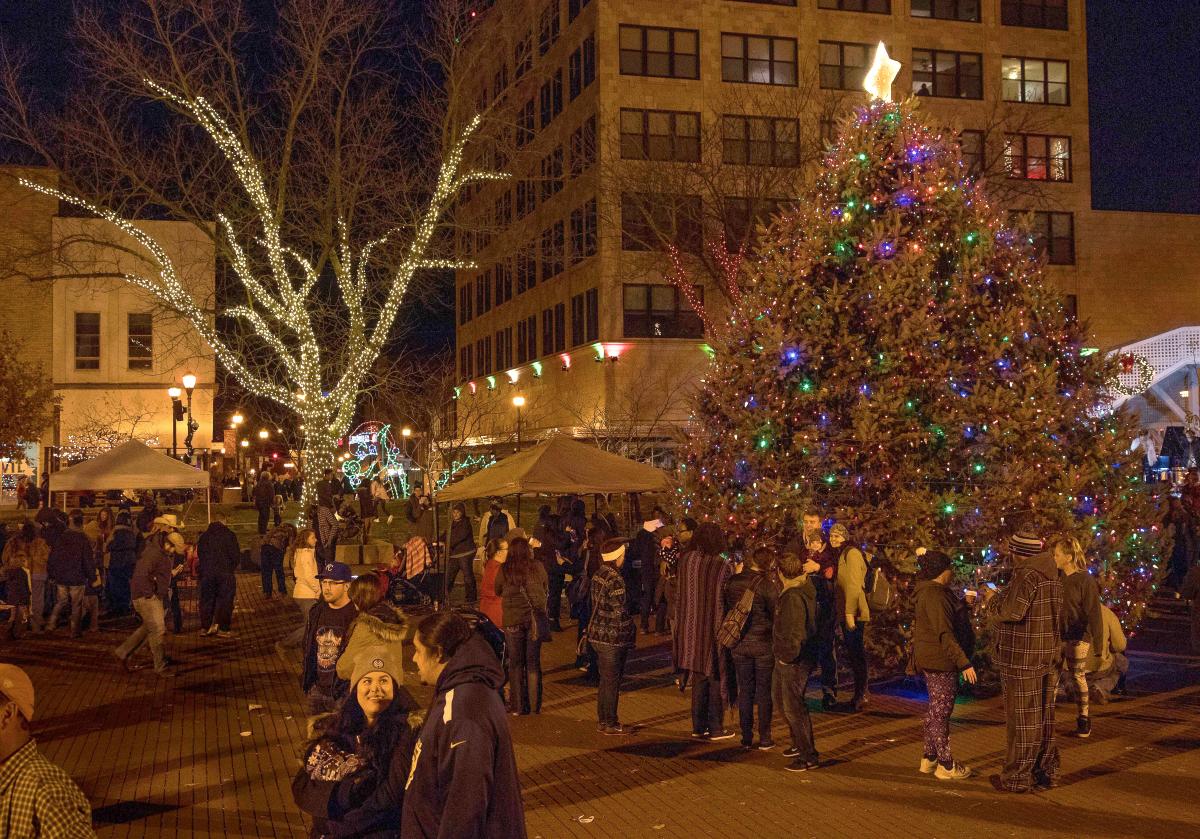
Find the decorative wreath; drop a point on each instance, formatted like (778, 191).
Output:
(1133, 365)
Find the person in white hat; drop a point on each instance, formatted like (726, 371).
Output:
(37, 799)
(151, 586)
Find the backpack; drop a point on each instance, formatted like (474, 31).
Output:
(498, 526)
(881, 594)
(734, 624)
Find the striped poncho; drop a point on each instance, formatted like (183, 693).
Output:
(699, 610)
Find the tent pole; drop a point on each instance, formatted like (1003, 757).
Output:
(208, 495)
(518, 509)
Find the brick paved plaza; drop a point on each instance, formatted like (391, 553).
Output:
(212, 752)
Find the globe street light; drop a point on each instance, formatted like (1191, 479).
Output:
(176, 414)
(189, 384)
(518, 403)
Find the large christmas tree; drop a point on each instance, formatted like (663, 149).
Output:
(898, 361)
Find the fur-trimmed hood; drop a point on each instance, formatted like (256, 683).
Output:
(384, 621)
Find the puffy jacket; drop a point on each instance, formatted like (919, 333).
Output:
(122, 547)
(943, 639)
(72, 561)
(756, 633)
(381, 624)
(1027, 616)
(1082, 619)
(794, 635)
(516, 600)
(851, 576)
(218, 550)
(304, 569)
(463, 781)
(611, 622)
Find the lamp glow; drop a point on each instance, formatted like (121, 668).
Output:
(518, 401)
(189, 381)
(174, 392)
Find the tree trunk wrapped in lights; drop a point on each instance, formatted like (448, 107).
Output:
(898, 361)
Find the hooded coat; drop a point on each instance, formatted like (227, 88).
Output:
(218, 551)
(463, 780)
(381, 624)
(943, 639)
(1027, 617)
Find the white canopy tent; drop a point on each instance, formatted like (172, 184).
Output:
(132, 465)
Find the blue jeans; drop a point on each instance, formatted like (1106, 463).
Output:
(611, 661)
(67, 596)
(524, 669)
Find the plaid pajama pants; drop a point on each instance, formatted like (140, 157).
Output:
(1029, 716)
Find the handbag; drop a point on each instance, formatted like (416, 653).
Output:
(540, 625)
(734, 624)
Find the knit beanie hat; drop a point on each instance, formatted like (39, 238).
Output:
(1024, 543)
(839, 530)
(384, 658)
(933, 563)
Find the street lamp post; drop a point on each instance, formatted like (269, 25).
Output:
(176, 410)
(518, 403)
(263, 436)
(189, 385)
(236, 421)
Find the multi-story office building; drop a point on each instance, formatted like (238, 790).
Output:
(693, 117)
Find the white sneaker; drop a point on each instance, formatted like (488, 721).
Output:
(390, 519)
(955, 773)
(927, 765)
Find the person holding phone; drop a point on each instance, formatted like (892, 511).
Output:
(943, 640)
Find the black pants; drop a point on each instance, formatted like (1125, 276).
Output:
(264, 513)
(216, 600)
(856, 652)
(465, 564)
(271, 563)
(558, 582)
(827, 658)
(754, 689)
(611, 660)
(788, 685)
(654, 602)
(120, 600)
(176, 609)
(524, 670)
(708, 710)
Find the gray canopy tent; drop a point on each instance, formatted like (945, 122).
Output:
(131, 465)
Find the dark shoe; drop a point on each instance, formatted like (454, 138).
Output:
(858, 703)
(721, 735)
(747, 745)
(555, 626)
(165, 673)
(766, 745)
(1083, 727)
(1044, 782)
(699, 735)
(829, 701)
(791, 751)
(224, 633)
(802, 765)
(617, 730)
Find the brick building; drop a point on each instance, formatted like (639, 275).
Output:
(569, 307)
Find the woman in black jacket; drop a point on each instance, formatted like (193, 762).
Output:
(521, 584)
(942, 642)
(753, 661)
(611, 632)
(1083, 622)
(460, 539)
(354, 773)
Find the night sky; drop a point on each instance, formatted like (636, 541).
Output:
(1142, 65)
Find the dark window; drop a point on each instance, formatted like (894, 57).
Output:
(526, 270)
(760, 141)
(552, 173)
(548, 27)
(583, 146)
(577, 318)
(1054, 235)
(843, 66)
(526, 197)
(466, 369)
(592, 314)
(504, 282)
(531, 337)
(550, 98)
(523, 342)
(523, 56)
(500, 81)
(547, 331)
(574, 7)
(953, 74)
(971, 145)
(667, 53)
(552, 251)
(87, 340)
(656, 311)
(503, 209)
(1042, 14)
(967, 10)
(504, 348)
(483, 293)
(649, 220)
(487, 355)
(465, 300)
(582, 66)
(758, 59)
(525, 124)
(1036, 80)
(660, 135)
(1037, 157)
(878, 7)
(141, 341)
(742, 215)
(828, 128)
(583, 231)
(560, 327)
